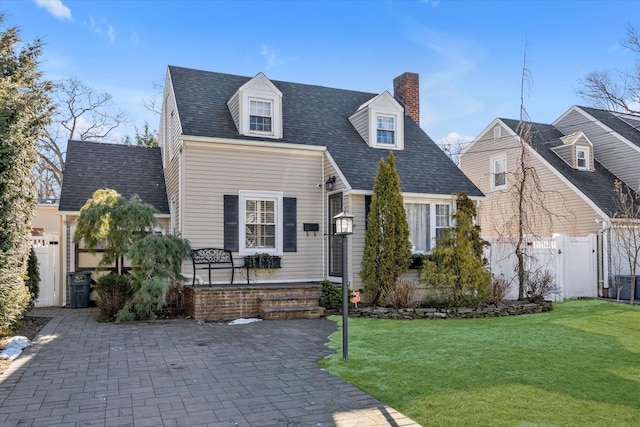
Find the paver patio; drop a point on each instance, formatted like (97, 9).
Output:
(181, 373)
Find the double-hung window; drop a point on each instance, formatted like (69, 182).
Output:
(260, 116)
(261, 214)
(260, 224)
(385, 130)
(443, 220)
(582, 158)
(498, 173)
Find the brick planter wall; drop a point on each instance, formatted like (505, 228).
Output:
(450, 313)
(233, 302)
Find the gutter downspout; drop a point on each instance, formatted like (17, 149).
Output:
(603, 249)
(325, 238)
(63, 270)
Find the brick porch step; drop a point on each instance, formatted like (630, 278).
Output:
(288, 313)
(293, 301)
(303, 305)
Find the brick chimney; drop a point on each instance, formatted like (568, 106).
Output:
(406, 88)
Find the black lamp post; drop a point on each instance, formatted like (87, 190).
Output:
(344, 227)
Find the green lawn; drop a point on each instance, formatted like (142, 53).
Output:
(578, 365)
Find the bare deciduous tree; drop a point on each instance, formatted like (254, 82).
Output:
(533, 209)
(625, 225)
(615, 90)
(154, 104)
(453, 145)
(81, 113)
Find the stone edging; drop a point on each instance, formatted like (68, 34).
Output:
(451, 313)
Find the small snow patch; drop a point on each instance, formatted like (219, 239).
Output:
(14, 347)
(243, 321)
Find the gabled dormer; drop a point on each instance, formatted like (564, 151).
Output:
(380, 122)
(577, 151)
(256, 108)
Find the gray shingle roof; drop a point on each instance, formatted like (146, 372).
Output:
(597, 185)
(317, 115)
(616, 124)
(129, 170)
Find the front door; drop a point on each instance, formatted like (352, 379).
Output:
(335, 242)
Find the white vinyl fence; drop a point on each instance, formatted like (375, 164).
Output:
(47, 251)
(572, 261)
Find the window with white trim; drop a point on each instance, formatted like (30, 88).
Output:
(385, 130)
(498, 172)
(261, 222)
(418, 218)
(582, 158)
(443, 220)
(260, 116)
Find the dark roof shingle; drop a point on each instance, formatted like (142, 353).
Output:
(597, 185)
(614, 122)
(129, 170)
(316, 115)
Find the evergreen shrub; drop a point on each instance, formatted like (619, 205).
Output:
(32, 280)
(331, 296)
(114, 290)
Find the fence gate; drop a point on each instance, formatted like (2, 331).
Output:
(578, 266)
(572, 261)
(47, 251)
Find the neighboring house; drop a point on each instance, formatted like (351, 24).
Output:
(90, 166)
(577, 159)
(255, 166)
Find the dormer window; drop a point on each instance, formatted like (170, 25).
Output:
(582, 158)
(386, 130)
(576, 151)
(380, 122)
(256, 108)
(260, 116)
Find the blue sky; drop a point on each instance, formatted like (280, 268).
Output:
(469, 54)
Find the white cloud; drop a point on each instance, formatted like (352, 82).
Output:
(270, 56)
(56, 8)
(432, 3)
(111, 33)
(455, 138)
(102, 28)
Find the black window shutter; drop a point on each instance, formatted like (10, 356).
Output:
(231, 222)
(367, 209)
(289, 205)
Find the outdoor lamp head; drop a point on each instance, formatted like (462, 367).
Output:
(344, 224)
(328, 185)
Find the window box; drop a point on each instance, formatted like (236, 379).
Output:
(262, 260)
(416, 261)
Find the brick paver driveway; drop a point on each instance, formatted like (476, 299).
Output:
(181, 373)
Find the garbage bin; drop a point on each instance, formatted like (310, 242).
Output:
(79, 289)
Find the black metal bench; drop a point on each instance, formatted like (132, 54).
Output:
(213, 259)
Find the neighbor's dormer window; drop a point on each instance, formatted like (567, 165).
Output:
(260, 116)
(582, 158)
(386, 130)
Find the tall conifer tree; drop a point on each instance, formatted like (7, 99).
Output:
(24, 111)
(387, 247)
(457, 267)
